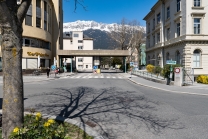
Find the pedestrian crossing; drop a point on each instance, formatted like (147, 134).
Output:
(92, 76)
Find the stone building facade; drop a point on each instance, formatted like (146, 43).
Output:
(178, 30)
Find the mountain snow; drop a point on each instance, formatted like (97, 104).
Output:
(85, 25)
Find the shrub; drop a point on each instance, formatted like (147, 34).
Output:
(150, 68)
(157, 70)
(40, 128)
(202, 79)
(166, 70)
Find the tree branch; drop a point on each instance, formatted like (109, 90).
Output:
(22, 10)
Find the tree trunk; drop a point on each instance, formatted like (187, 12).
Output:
(12, 114)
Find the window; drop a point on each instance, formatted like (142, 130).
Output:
(148, 42)
(45, 16)
(197, 25)
(80, 47)
(153, 25)
(167, 56)
(197, 3)
(0, 59)
(80, 41)
(178, 5)
(168, 12)
(196, 58)
(28, 20)
(28, 17)
(38, 22)
(177, 57)
(158, 18)
(153, 40)
(80, 59)
(148, 59)
(42, 62)
(76, 35)
(26, 42)
(38, 3)
(158, 37)
(80, 66)
(148, 27)
(178, 29)
(168, 34)
(45, 25)
(86, 66)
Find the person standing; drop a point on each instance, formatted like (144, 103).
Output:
(48, 71)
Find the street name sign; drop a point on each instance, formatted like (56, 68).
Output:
(171, 62)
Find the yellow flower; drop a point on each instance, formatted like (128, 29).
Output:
(16, 129)
(38, 115)
(51, 121)
(36, 118)
(47, 124)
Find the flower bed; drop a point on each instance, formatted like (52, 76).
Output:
(36, 127)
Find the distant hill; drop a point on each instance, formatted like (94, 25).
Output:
(101, 40)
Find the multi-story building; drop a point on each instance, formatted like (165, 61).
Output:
(76, 40)
(42, 33)
(177, 30)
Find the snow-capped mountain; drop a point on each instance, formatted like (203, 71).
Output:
(85, 25)
(97, 31)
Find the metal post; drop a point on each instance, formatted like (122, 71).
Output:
(125, 63)
(71, 64)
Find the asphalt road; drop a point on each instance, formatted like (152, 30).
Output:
(120, 109)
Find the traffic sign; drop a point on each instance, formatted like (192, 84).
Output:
(171, 62)
(177, 70)
(95, 67)
(53, 67)
(131, 64)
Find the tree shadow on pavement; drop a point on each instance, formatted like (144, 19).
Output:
(109, 111)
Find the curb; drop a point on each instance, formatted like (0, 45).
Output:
(81, 125)
(189, 93)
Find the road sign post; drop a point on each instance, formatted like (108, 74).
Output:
(171, 62)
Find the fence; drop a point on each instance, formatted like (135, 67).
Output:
(147, 74)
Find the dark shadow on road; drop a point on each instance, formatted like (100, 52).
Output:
(101, 108)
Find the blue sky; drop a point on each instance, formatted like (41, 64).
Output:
(108, 11)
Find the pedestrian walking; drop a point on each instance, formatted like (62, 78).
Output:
(48, 71)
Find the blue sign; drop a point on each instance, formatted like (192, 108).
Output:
(131, 64)
(95, 67)
(53, 67)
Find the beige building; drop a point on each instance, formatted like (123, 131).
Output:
(178, 30)
(76, 40)
(42, 33)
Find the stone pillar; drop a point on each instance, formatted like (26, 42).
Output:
(178, 78)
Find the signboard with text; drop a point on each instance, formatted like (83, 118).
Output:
(170, 62)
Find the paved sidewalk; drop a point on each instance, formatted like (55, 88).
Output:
(195, 89)
(42, 77)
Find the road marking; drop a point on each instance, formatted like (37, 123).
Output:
(78, 77)
(96, 77)
(113, 77)
(84, 77)
(108, 77)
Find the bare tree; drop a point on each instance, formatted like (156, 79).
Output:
(129, 36)
(11, 18)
